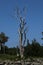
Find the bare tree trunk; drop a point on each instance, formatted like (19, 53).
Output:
(21, 47)
(4, 48)
(0, 46)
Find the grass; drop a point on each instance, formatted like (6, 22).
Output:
(13, 57)
(7, 57)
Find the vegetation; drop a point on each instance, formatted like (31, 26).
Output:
(3, 39)
(30, 50)
(7, 57)
(34, 49)
(42, 35)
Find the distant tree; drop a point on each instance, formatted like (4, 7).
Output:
(28, 50)
(28, 43)
(12, 51)
(35, 48)
(42, 33)
(3, 39)
(6, 49)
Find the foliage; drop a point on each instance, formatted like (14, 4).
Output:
(3, 39)
(30, 50)
(34, 49)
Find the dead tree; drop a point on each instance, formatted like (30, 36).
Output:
(22, 29)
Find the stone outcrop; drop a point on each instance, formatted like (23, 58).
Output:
(35, 61)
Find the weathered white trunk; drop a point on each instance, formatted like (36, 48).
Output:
(21, 52)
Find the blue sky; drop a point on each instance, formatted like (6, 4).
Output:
(34, 20)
